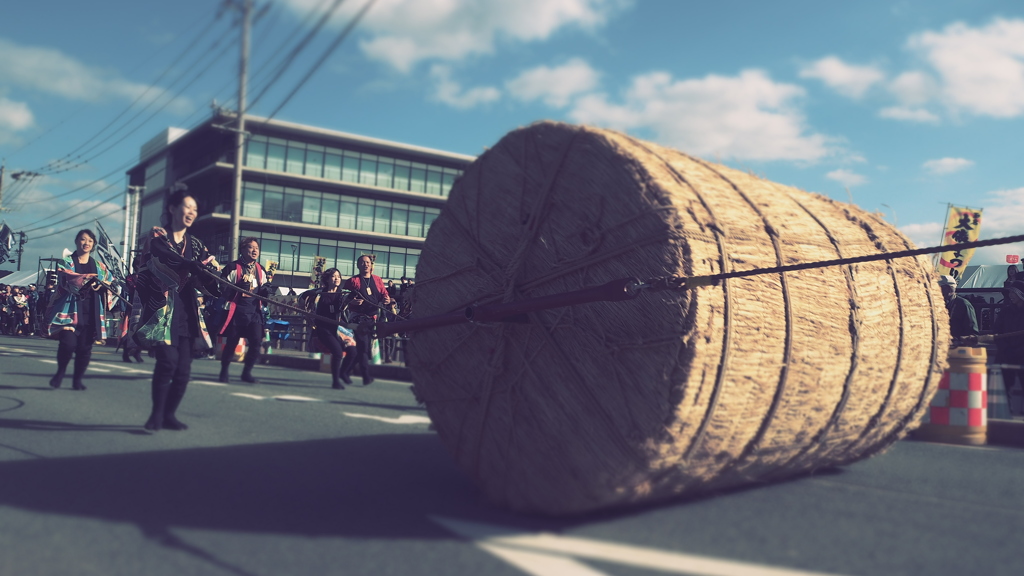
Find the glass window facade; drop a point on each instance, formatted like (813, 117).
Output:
(293, 157)
(296, 253)
(272, 202)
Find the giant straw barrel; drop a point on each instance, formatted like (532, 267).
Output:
(677, 392)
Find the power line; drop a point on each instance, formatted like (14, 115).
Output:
(323, 57)
(110, 199)
(194, 79)
(69, 228)
(78, 110)
(193, 43)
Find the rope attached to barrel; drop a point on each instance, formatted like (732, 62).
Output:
(617, 290)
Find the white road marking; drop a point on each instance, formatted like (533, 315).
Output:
(296, 399)
(48, 361)
(20, 350)
(244, 395)
(91, 369)
(546, 554)
(403, 419)
(207, 383)
(121, 368)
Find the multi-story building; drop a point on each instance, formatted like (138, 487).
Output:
(306, 192)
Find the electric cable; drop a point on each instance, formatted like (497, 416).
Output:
(69, 228)
(323, 57)
(110, 199)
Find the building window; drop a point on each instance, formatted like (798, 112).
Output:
(416, 221)
(368, 170)
(418, 179)
(364, 215)
(252, 202)
(382, 218)
(399, 219)
(292, 205)
(275, 158)
(350, 169)
(447, 180)
(429, 215)
(314, 163)
(311, 208)
(256, 154)
(329, 212)
(401, 181)
(385, 173)
(296, 158)
(433, 183)
(347, 215)
(273, 204)
(332, 167)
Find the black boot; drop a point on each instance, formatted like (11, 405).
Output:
(247, 375)
(82, 359)
(224, 366)
(137, 354)
(156, 417)
(174, 396)
(58, 377)
(125, 355)
(346, 367)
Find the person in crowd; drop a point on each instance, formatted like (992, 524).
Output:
(42, 306)
(1011, 275)
(330, 302)
(1010, 350)
(369, 297)
(20, 314)
(244, 317)
(5, 311)
(176, 267)
(33, 307)
(129, 348)
(963, 321)
(77, 311)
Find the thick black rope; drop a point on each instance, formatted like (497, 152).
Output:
(677, 282)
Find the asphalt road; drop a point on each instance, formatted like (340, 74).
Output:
(290, 477)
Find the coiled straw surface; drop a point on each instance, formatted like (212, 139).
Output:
(679, 392)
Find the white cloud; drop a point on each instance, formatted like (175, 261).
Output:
(947, 165)
(747, 117)
(51, 71)
(846, 177)
(14, 117)
(556, 86)
(914, 88)
(982, 69)
(451, 92)
(847, 79)
(908, 114)
(405, 32)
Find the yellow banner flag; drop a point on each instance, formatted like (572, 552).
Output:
(962, 225)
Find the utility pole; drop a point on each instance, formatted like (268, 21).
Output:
(21, 248)
(243, 73)
(3, 166)
(132, 199)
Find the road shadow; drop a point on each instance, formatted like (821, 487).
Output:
(403, 408)
(54, 426)
(384, 486)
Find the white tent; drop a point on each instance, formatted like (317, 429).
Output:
(985, 276)
(23, 278)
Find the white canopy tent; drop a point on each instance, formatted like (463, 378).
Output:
(984, 276)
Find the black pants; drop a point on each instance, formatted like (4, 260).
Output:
(77, 343)
(1009, 378)
(329, 340)
(243, 327)
(170, 379)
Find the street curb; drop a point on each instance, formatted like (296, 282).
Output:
(387, 372)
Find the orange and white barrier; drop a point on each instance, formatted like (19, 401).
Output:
(959, 410)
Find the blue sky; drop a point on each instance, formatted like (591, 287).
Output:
(901, 106)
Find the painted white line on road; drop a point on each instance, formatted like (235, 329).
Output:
(122, 368)
(296, 399)
(20, 350)
(48, 361)
(403, 419)
(525, 549)
(250, 396)
(91, 369)
(207, 383)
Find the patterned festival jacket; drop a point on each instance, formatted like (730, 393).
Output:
(234, 273)
(63, 309)
(162, 269)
